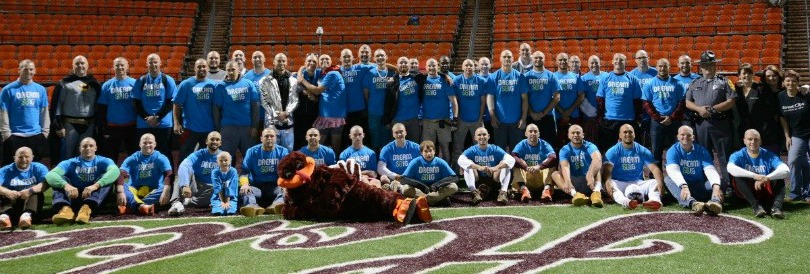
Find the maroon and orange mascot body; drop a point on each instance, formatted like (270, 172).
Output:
(337, 193)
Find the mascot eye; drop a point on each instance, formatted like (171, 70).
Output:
(288, 174)
(299, 166)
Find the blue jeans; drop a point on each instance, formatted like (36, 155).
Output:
(272, 194)
(662, 138)
(134, 201)
(286, 138)
(61, 198)
(799, 168)
(699, 191)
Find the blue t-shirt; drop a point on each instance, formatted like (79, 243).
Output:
(507, 92)
(396, 159)
(489, 88)
(254, 77)
(542, 87)
(619, 92)
(203, 163)
(262, 166)
(354, 85)
(234, 100)
(376, 81)
(533, 155)
(23, 103)
(489, 157)
(644, 77)
(428, 172)
(764, 164)
(691, 163)
(469, 93)
(579, 159)
(323, 156)
(363, 156)
(16, 179)
(81, 173)
(436, 98)
(117, 95)
(685, 81)
(153, 95)
(628, 164)
(196, 99)
(146, 170)
(333, 99)
(571, 86)
(591, 83)
(665, 95)
(227, 183)
(408, 100)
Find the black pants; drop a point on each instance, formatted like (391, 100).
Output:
(609, 132)
(548, 130)
(767, 199)
(190, 141)
(36, 143)
(115, 140)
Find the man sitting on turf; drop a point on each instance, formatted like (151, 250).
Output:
(580, 162)
(395, 157)
(623, 167)
(759, 176)
(22, 184)
(192, 187)
(144, 179)
(535, 160)
(258, 184)
(691, 176)
(431, 174)
(482, 164)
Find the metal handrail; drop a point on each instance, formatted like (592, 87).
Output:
(636, 32)
(101, 10)
(94, 39)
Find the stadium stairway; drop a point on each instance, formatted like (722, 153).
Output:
(797, 39)
(220, 33)
(483, 32)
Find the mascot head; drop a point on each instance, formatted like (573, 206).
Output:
(295, 170)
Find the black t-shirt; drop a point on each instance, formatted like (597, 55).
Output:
(796, 111)
(758, 111)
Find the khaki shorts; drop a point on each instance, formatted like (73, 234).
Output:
(534, 181)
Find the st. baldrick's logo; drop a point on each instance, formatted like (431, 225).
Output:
(467, 240)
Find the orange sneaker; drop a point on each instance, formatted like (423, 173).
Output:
(546, 198)
(525, 195)
(122, 210)
(5, 222)
(405, 210)
(632, 204)
(25, 221)
(146, 210)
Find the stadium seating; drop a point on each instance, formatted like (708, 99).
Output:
(432, 28)
(738, 31)
(350, 7)
(50, 34)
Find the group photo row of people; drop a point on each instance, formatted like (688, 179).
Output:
(408, 132)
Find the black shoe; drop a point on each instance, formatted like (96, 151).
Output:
(759, 212)
(777, 213)
(444, 202)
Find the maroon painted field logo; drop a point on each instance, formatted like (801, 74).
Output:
(480, 243)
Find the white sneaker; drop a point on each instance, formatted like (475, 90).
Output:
(177, 209)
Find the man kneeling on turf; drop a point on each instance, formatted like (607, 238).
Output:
(429, 174)
(482, 164)
(144, 179)
(580, 162)
(535, 160)
(623, 167)
(691, 176)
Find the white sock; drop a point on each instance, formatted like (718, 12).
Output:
(573, 192)
(597, 187)
(25, 215)
(3, 216)
(546, 187)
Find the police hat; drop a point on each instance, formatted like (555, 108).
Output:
(708, 57)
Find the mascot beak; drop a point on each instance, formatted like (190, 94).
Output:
(301, 176)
